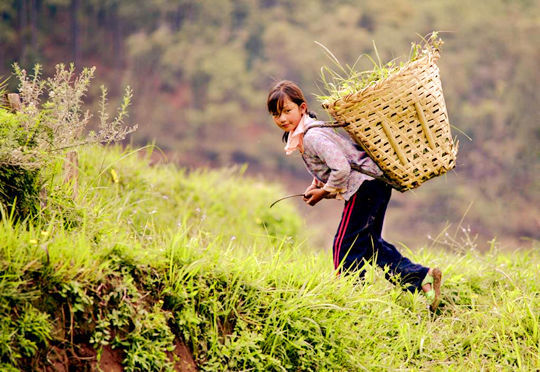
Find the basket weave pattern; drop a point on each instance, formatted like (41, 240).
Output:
(402, 123)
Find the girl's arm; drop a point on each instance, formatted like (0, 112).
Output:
(315, 184)
(318, 184)
(334, 158)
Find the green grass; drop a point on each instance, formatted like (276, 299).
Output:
(339, 80)
(164, 254)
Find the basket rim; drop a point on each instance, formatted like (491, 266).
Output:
(428, 58)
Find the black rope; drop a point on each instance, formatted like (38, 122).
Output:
(328, 124)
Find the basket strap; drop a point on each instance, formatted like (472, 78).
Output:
(327, 124)
(354, 166)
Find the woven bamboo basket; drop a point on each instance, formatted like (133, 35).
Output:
(402, 124)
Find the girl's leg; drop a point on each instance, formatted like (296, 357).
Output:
(386, 254)
(400, 267)
(359, 236)
(343, 225)
(353, 242)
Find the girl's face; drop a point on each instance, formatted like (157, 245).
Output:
(290, 115)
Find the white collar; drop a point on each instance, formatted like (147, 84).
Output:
(295, 140)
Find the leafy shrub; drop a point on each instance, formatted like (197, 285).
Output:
(22, 335)
(148, 341)
(19, 190)
(19, 183)
(39, 133)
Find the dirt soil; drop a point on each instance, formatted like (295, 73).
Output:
(85, 359)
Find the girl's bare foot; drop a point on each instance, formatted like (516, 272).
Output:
(431, 286)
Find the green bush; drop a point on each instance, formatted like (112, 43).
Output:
(145, 271)
(19, 191)
(23, 332)
(44, 128)
(19, 181)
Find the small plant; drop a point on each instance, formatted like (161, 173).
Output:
(23, 334)
(19, 179)
(60, 122)
(147, 342)
(345, 79)
(34, 330)
(40, 131)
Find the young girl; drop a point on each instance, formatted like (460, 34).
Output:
(328, 157)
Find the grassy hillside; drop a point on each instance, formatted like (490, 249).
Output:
(201, 71)
(157, 268)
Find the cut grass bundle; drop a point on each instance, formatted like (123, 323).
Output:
(344, 79)
(397, 113)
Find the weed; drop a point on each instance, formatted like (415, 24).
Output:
(343, 80)
(34, 138)
(138, 281)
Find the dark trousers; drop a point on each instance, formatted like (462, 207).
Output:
(358, 238)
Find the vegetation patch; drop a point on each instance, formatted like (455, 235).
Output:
(171, 269)
(342, 80)
(50, 120)
(156, 268)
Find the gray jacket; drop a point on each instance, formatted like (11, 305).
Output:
(328, 157)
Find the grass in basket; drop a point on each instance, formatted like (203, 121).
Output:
(342, 80)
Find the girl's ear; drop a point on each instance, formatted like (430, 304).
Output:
(303, 108)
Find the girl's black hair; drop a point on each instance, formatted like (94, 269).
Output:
(277, 95)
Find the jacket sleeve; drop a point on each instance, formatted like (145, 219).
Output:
(317, 183)
(334, 158)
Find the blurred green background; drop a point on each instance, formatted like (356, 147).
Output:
(201, 71)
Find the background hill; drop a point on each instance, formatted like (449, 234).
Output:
(201, 71)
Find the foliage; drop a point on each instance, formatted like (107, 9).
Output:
(19, 191)
(131, 277)
(59, 122)
(33, 137)
(19, 182)
(23, 333)
(341, 81)
(202, 71)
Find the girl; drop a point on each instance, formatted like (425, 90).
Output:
(328, 157)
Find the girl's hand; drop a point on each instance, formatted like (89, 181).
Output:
(310, 187)
(314, 196)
